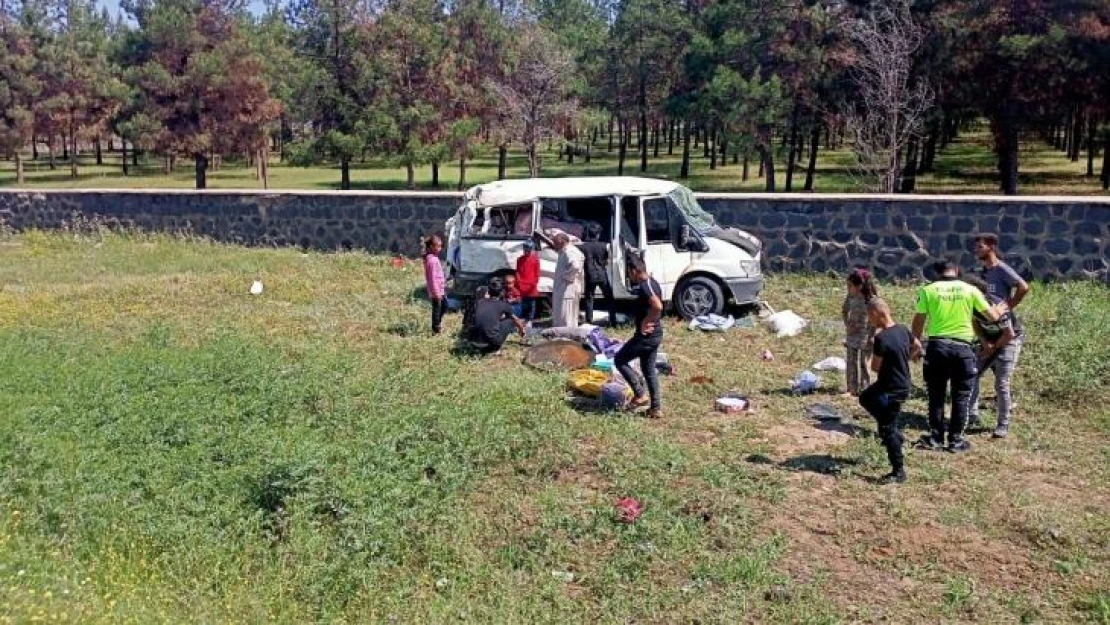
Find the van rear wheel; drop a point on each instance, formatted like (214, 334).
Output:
(699, 296)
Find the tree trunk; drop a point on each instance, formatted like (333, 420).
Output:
(123, 154)
(435, 175)
(1106, 163)
(134, 155)
(34, 148)
(744, 175)
(65, 147)
(410, 175)
(705, 142)
(53, 164)
(768, 154)
(462, 173)
(201, 161)
(1061, 139)
(1092, 123)
(502, 156)
(909, 172)
(761, 164)
(167, 165)
(711, 135)
(570, 154)
(111, 144)
(643, 127)
(724, 150)
(670, 137)
(655, 147)
(623, 148)
(99, 156)
(811, 169)
(1006, 147)
(586, 156)
(18, 167)
(73, 155)
(1077, 137)
(345, 173)
(610, 133)
(929, 155)
(791, 159)
(264, 167)
(684, 170)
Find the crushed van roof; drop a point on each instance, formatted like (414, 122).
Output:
(528, 189)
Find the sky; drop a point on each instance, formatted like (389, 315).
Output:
(257, 6)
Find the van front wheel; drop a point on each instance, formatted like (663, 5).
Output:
(699, 296)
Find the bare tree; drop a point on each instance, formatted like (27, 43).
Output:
(536, 94)
(892, 103)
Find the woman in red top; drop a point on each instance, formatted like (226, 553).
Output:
(528, 281)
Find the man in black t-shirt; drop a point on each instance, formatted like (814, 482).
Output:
(894, 346)
(493, 320)
(596, 272)
(645, 343)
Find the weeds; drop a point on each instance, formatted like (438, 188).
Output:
(173, 445)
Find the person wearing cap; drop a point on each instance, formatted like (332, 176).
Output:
(596, 252)
(568, 283)
(1001, 284)
(528, 281)
(944, 313)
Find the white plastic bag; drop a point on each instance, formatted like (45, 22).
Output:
(786, 323)
(806, 382)
(832, 363)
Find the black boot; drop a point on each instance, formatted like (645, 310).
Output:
(893, 443)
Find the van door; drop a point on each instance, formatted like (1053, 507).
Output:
(662, 225)
(626, 236)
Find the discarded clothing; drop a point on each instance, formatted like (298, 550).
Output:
(712, 323)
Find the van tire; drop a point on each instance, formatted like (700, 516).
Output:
(698, 296)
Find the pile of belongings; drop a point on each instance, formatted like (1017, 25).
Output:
(712, 323)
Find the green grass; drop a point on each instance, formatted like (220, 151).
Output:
(966, 167)
(174, 448)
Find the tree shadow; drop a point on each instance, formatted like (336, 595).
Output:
(588, 406)
(407, 329)
(822, 464)
(842, 427)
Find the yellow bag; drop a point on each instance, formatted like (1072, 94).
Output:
(587, 382)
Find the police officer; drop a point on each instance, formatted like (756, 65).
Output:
(944, 313)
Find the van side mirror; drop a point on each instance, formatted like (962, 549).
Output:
(688, 242)
(684, 238)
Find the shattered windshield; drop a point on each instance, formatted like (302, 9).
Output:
(695, 215)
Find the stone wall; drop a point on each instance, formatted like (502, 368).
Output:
(1046, 238)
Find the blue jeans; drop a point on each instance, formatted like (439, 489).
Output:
(526, 309)
(1003, 367)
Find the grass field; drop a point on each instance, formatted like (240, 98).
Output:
(174, 449)
(966, 167)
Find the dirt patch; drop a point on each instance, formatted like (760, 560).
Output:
(807, 437)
